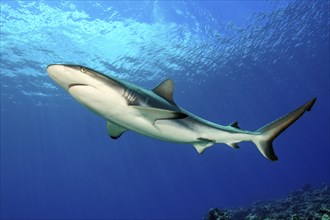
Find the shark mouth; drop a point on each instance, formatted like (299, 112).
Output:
(76, 84)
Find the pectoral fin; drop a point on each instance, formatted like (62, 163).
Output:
(155, 114)
(115, 131)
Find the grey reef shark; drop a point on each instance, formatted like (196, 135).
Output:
(154, 113)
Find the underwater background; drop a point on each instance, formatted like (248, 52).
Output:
(250, 61)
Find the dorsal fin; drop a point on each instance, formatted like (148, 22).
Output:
(165, 90)
(235, 125)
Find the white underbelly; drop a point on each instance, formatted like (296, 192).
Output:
(114, 108)
(167, 130)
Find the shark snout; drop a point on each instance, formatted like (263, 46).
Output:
(54, 69)
(71, 76)
(60, 74)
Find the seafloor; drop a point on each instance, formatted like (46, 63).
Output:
(306, 203)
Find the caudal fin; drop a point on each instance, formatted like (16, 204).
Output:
(269, 132)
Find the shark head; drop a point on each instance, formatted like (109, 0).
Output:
(68, 76)
(87, 86)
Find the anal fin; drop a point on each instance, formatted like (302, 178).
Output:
(233, 145)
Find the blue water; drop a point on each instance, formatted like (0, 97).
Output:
(249, 61)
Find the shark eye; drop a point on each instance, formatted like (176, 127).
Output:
(83, 69)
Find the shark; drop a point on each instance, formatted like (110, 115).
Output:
(154, 113)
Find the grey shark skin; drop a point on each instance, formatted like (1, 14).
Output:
(155, 114)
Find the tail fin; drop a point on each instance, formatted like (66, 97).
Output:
(268, 133)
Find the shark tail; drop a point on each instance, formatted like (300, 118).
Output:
(266, 134)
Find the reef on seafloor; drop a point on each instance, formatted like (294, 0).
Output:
(306, 203)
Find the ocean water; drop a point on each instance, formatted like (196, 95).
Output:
(250, 61)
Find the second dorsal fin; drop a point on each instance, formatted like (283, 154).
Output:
(235, 125)
(165, 90)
